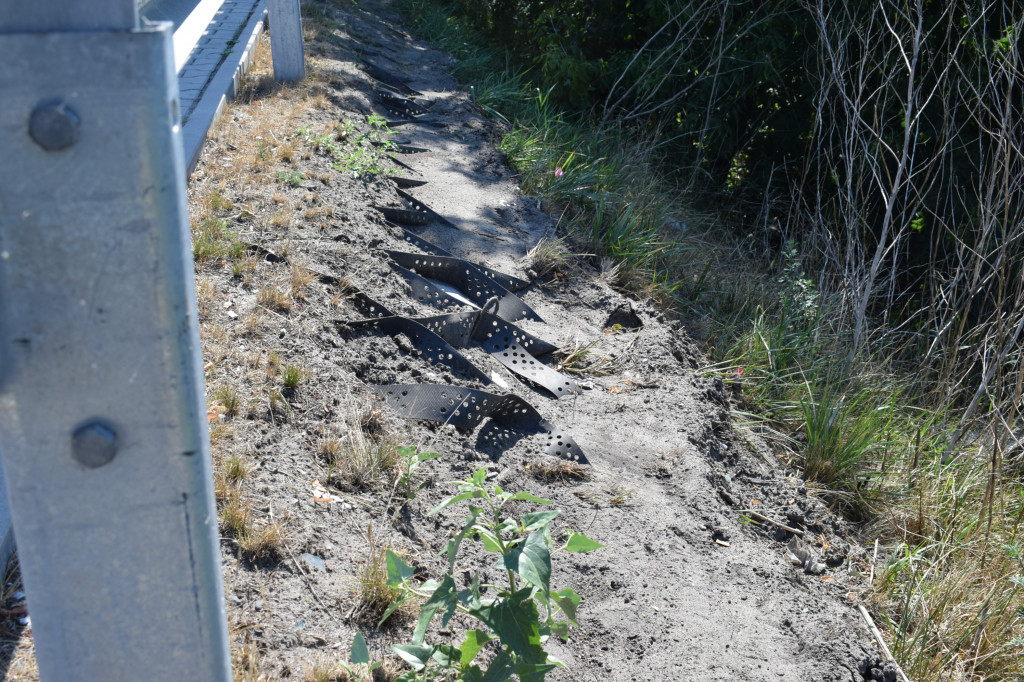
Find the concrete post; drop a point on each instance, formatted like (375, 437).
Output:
(286, 40)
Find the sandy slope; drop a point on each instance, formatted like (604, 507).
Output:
(683, 589)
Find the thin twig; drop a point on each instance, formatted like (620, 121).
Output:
(874, 560)
(305, 578)
(761, 517)
(881, 642)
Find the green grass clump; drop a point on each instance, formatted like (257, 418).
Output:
(212, 240)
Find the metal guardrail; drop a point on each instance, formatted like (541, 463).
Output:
(102, 418)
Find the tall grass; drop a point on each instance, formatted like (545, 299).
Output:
(870, 436)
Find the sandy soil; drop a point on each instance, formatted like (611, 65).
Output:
(684, 589)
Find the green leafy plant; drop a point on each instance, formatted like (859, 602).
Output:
(292, 179)
(512, 619)
(360, 153)
(291, 375)
(412, 458)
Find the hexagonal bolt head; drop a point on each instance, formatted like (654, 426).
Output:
(93, 444)
(54, 126)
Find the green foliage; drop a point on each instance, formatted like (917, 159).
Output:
(291, 375)
(412, 458)
(292, 179)
(213, 240)
(359, 152)
(525, 611)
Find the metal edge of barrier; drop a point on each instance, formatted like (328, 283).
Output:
(123, 436)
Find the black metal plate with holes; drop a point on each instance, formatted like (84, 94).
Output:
(403, 216)
(466, 408)
(465, 277)
(407, 183)
(420, 207)
(266, 253)
(402, 164)
(401, 120)
(402, 148)
(401, 104)
(506, 343)
(379, 74)
(432, 347)
(508, 281)
(369, 307)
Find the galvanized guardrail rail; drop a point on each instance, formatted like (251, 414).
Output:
(103, 434)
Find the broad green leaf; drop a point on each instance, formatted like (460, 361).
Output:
(398, 570)
(489, 539)
(452, 500)
(567, 601)
(360, 654)
(427, 456)
(391, 609)
(447, 655)
(471, 646)
(532, 561)
(578, 542)
(500, 669)
(453, 544)
(472, 674)
(535, 520)
(516, 622)
(405, 451)
(416, 656)
(560, 629)
(444, 595)
(529, 498)
(533, 672)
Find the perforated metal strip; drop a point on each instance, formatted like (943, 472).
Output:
(465, 277)
(502, 340)
(402, 104)
(403, 216)
(419, 206)
(508, 281)
(385, 77)
(403, 148)
(431, 346)
(506, 343)
(466, 408)
(406, 183)
(402, 164)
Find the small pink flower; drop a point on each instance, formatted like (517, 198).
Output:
(739, 371)
(559, 172)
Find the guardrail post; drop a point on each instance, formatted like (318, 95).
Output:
(102, 416)
(286, 40)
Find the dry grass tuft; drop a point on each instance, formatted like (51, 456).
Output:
(272, 298)
(227, 398)
(373, 594)
(328, 672)
(561, 471)
(206, 297)
(300, 279)
(580, 359)
(357, 461)
(549, 257)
